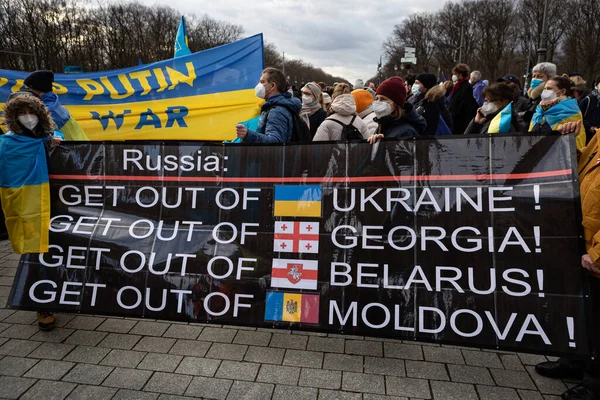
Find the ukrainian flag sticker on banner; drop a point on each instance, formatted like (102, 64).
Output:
(199, 96)
(297, 201)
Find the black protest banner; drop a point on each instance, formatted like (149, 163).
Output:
(472, 240)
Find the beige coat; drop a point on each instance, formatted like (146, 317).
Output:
(344, 109)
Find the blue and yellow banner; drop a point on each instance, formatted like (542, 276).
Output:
(502, 121)
(200, 96)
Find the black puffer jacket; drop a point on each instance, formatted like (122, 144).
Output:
(411, 124)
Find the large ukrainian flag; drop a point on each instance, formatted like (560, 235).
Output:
(560, 113)
(25, 192)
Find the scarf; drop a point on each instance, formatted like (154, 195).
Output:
(458, 83)
(557, 112)
(314, 106)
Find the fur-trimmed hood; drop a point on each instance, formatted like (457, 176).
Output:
(17, 105)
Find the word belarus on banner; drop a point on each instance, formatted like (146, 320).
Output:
(200, 96)
(471, 240)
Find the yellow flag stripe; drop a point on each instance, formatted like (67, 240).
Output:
(297, 209)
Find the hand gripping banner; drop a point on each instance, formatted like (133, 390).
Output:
(472, 240)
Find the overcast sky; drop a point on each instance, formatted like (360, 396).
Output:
(342, 37)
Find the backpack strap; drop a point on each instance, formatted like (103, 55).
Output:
(341, 123)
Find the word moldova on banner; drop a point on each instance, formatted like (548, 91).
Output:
(460, 240)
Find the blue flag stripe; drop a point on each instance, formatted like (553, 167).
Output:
(298, 193)
(274, 306)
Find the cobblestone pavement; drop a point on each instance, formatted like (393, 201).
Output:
(96, 357)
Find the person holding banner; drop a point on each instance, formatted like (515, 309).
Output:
(40, 84)
(24, 185)
(276, 122)
(496, 115)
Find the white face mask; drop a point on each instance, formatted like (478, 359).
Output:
(488, 108)
(260, 91)
(381, 108)
(415, 89)
(306, 99)
(29, 121)
(454, 78)
(548, 95)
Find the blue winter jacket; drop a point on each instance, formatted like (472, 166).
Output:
(58, 112)
(276, 123)
(478, 92)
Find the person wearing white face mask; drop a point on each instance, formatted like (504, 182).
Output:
(397, 119)
(463, 106)
(557, 107)
(276, 123)
(312, 112)
(540, 74)
(496, 97)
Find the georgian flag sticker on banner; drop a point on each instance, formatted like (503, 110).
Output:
(295, 274)
(296, 237)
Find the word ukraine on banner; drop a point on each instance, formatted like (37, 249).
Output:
(459, 240)
(199, 96)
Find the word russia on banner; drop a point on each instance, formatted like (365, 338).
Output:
(473, 241)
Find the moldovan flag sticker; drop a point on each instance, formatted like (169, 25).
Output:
(297, 201)
(295, 274)
(296, 237)
(292, 307)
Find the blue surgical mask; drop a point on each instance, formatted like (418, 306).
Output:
(535, 83)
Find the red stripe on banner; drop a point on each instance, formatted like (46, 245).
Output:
(217, 179)
(307, 275)
(310, 308)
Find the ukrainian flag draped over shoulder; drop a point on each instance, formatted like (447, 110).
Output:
(181, 41)
(560, 113)
(502, 121)
(25, 192)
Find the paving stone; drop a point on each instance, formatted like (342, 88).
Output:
(514, 379)
(453, 391)
(530, 395)
(127, 378)
(125, 394)
(209, 388)
(384, 366)
(88, 374)
(325, 394)
(532, 359)
(284, 392)
(173, 397)
(56, 335)
(123, 358)
(18, 348)
(160, 362)
(364, 348)
(85, 392)
(225, 351)
(409, 387)
(146, 328)
(252, 338)
(116, 325)
(497, 393)
(343, 362)
(237, 370)
(464, 374)
(155, 344)
(21, 317)
(546, 385)
(163, 382)
(49, 390)
(62, 319)
(329, 345)
(512, 362)
(279, 374)
(298, 358)
(320, 378)
(178, 331)
(426, 370)
(4, 326)
(13, 387)
(119, 341)
(443, 355)
(295, 342)
(86, 338)
(221, 335)
(371, 396)
(198, 366)
(87, 354)
(190, 348)
(403, 351)
(15, 366)
(85, 322)
(52, 351)
(265, 355)
(364, 383)
(20, 332)
(482, 359)
(4, 313)
(250, 391)
(49, 369)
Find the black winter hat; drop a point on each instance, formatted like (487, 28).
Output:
(428, 80)
(40, 80)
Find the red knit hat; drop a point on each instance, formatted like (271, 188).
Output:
(394, 89)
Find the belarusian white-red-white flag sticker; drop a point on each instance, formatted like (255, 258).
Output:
(295, 274)
(296, 237)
